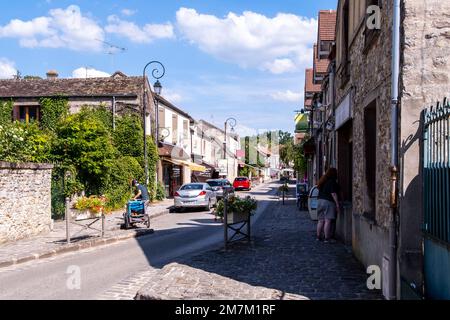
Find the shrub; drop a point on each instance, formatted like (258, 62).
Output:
(6, 108)
(85, 143)
(118, 189)
(21, 142)
(54, 110)
(160, 192)
(239, 205)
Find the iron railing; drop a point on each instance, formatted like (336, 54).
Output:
(436, 171)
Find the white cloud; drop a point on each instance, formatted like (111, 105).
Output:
(279, 66)
(287, 96)
(279, 44)
(134, 33)
(89, 73)
(62, 28)
(128, 12)
(7, 69)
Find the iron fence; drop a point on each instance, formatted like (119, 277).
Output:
(436, 171)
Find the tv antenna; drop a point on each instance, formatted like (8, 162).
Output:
(112, 49)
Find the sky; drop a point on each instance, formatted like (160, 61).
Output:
(223, 58)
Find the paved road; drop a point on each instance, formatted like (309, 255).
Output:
(176, 235)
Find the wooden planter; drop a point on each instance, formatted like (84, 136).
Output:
(237, 217)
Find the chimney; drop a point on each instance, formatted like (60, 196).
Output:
(52, 74)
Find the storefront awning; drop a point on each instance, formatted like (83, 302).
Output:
(193, 166)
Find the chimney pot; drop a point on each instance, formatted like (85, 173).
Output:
(52, 74)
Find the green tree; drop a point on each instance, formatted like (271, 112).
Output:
(85, 142)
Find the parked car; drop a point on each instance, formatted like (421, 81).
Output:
(242, 183)
(195, 195)
(312, 203)
(218, 185)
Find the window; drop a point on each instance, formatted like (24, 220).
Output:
(185, 129)
(370, 145)
(344, 72)
(161, 118)
(27, 113)
(174, 129)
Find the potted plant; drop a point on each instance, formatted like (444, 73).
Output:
(89, 207)
(239, 209)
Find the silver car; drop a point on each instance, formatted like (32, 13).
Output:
(195, 195)
(218, 185)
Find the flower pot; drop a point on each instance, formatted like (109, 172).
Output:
(237, 217)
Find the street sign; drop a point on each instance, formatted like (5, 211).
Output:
(223, 164)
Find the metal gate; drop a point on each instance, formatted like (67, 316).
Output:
(436, 193)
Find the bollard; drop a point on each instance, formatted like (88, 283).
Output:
(225, 216)
(103, 224)
(67, 216)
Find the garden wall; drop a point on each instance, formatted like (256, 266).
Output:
(25, 200)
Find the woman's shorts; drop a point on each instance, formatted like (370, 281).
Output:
(326, 210)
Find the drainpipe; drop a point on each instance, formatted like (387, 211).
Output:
(394, 152)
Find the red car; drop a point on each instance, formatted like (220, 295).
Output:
(242, 183)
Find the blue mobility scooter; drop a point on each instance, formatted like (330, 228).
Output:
(136, 213)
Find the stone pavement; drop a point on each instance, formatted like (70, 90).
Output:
(53, 243)
(283, 255)
(182, 282)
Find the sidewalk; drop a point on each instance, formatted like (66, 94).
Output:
(53, 243)
(284, 255)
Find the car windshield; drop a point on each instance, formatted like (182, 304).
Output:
(216, 183)
(192, 187)
(241, 179)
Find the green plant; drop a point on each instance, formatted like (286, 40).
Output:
(54, 110)
(283, 188)
(118, 188)
(160, 192)
(84, 142)
(246, 205)
(20, 142)
(93, 203)
(6, 108)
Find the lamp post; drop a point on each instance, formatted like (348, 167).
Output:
(156, 74)
(232, 122)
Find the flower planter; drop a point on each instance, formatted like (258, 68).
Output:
(237, 217)
(85, 214)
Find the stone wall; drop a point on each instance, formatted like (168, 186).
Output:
(25, 200)
(425, 79)
(370, 72)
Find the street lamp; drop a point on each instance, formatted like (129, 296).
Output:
(232, 122)
(156, 74)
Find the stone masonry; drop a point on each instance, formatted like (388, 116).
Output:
(25, 200)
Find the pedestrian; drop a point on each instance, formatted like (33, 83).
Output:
(327, 204)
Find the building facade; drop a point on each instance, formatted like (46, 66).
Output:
(357, 95)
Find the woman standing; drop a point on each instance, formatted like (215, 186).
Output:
(328, 204)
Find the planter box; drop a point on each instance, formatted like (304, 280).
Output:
(237, 217)
(85, 214)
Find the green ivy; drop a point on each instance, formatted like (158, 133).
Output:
(6, 108)
(54, 110)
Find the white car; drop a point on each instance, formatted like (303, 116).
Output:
(195, 195)
(312, 203)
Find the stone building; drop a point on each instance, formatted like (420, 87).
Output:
(359, 85)
(119, 93)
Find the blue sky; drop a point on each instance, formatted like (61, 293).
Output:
(244, 58)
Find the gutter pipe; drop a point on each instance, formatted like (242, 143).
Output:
(392, 292)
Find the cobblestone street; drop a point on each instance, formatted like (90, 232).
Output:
(283, 255)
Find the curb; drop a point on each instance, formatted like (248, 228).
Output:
(72, 248)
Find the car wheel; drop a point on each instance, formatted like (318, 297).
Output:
(208, 207)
